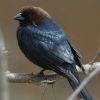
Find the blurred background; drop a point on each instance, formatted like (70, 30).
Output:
(81, 21)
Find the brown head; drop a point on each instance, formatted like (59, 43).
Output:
(31, 15)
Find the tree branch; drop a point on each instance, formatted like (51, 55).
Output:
(92, 66)
(31, 78)
(83, 84)
(48, 78)
(3, 67)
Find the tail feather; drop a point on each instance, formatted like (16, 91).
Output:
(70, 72)
(74, 81)
(83, 94)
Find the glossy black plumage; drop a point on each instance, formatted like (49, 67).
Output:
(46, 45)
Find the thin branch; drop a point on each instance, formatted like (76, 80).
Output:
(31, 78)
(91, 67)
(3, 68)
(95, 58)
(48, 78)
(83, 84)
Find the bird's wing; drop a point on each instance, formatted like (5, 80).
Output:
(50, 24)
(55, 46)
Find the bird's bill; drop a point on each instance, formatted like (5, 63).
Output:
(18, 17)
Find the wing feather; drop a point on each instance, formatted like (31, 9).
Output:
(54, 44)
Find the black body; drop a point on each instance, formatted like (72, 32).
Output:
(47, 46)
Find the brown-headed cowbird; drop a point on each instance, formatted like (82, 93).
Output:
(44, 43)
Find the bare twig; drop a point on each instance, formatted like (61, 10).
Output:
(31, 78)
(91, 67)
(86, 80)
(3, 68)
(95, 58)
(46, 78)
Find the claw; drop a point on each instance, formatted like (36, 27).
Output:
(41, 72)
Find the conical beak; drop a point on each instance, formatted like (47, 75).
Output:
(18, 17)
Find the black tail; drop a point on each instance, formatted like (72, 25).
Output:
(74, 81)
(69, 71)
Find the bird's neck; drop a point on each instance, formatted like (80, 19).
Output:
(48, 24)
(24, 23)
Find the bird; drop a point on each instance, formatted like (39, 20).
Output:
(45, 44)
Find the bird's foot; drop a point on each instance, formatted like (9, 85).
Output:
(41, 73)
